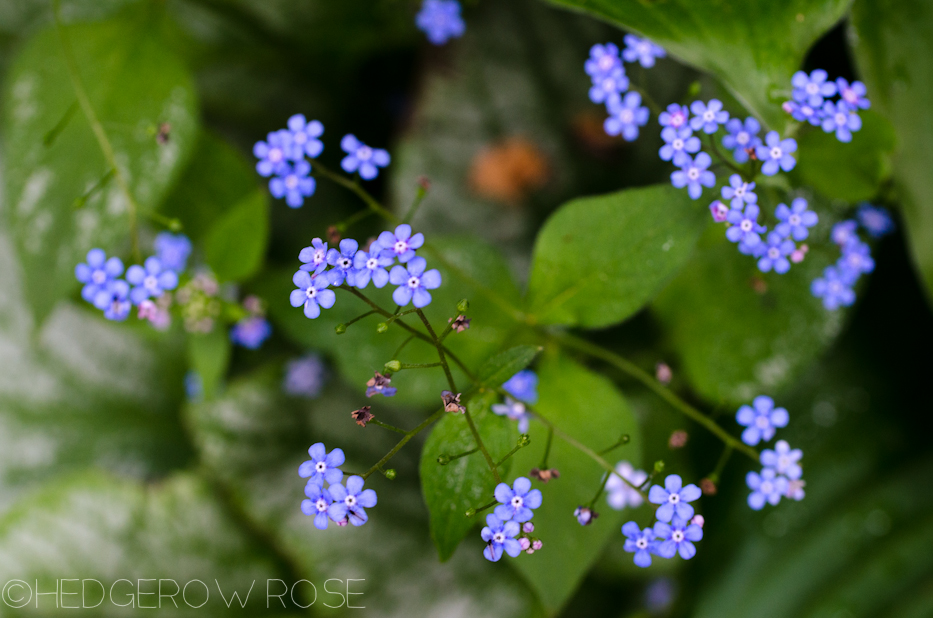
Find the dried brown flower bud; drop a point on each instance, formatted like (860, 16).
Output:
(165, 131)
(544, 475)
(663, 373)
(333, 235)
(362, 416)
(452, 402)
(460, 324)
(708, 487)
(678, 439)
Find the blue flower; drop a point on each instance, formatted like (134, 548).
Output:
(517, 501)
(314, 257)
(804, 112)
(312, 292)
(625, 116)
(675, 116)
(844, 231)
(856, 258)
(172, 250)
(708, 116)
(677, 143)
(719, 211)
(795, 220)
(514, 410)
(620, 494)
(342, 261)
(834, 287)
(609, 86)
(739, 192)
(677, 538)
(776, 154)
(673, 498)
(194, 386)
(371, 265)
(402, 244)
(642, 50)
(741, 137)
(273, 153)
(584, 515)
(523, 386)
(114, 300)
(323, 466)
(641, 542)
(318, 503)
(379, 385)
(777, 249)
(760, 420)
(251, 332)
(753, 248)
(351, 501)
(413, 283)
(795, 490)
(783, 459)
(362, 158)
(744, 226)
(304, 137)
(151, 281)
(839, 118)
(293, 183)
(812, 89)
(500, 537)
(766, 487)
(603, 59)
(694, 175)
(440, 20)
(853, 94)
(305, 376)
(96, 273)
(876, 220)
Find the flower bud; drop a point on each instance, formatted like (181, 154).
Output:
(393, 365)
(537, 545)
(443, 460)
(382, 327)
(528, 527)
(463, 306)
(340, 329)
(659, 466)
(390, 474)
(698, 520)
(470, 512)
(524, 542)
(524, 439)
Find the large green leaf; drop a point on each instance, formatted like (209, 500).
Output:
(451, 489)
(135, 84)
(588, 407)
(235, 245)
(598, 260)
(753, 46)
(894, 51)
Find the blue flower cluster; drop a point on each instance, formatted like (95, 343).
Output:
(676, 529)
(610, 84)
(835, 286)
(440, 20)
(781, 472)
(523, 386)
(356, 267)
(338, 503)
(305, 376)
(811, 103)
(501, 534)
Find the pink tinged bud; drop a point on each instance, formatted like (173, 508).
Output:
(663, 373)
(788, 107)
(698, 520)
(719, 211)
(528, 527)
(797, 256)
(537, 545)
(529, 551)
(524, 542)
(253, 304)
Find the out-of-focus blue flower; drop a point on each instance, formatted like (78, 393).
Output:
(371, 265)
(876, 220)
(304, 137)
(194, 386)
(440, 20)
(619, 494)
(760, 420)
(694, 175)
(744, 226)
(678, 537)
(150, 281)
(783, 459)
(172, 250)
(739, 192)
(314, 257)
(603, 59)
(273, 153)
(795, 221)
(251, 332)
(856, 259)
(584, 515)
(659, 595)
(342, 261)
(777, 249)
(766, 487)
(753, 248)
(312, 292)
(317, 504)
(673, 498)
(742, 135)
(96, 273)
(840, 118)
(293, 183)
(719, 211)
(413, 283)
(640, 542)
(677, 143)
(402, 243)
(708, 116)
(795, 490)
(843, 232)
(517, 501)
(642, 50)
(514, 410)
(322, 466)
(351, 501)
(362, 158)
(834, 287)
(117, 305)
(812, 89)
(609, 86)
(626, 114)
(675, 116)
(804, 112)
(776, 154)
(523, 386)
(500, 537)
(305, 376)
(853, 94)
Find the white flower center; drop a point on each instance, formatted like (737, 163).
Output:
(517, 502)
(626, 116)
(321, 505)
(762, 421)
(300, 138)
(693, 173)
(742, 137)
(275, 155)
(609, 84)
(414, 282)
(774, 253)
(372, 263)
(678, 119)
(849, 95)
(98, 277)
(673, 498)
(677, 536)
(746, 225)
(498, 538)
(320, 466)
(364, 153)
(767, 487)
(794, 219)
(678, 144)
(151, 283)
(401, 247)
(350, 500)
(813, 88)
(709, 115)
(740, 191)
(776, 152)
(344, 263)
(319, 256)
(291, 181)
(783, 462)
(841, 119)
(606, 62)
(641, 543)
(311, 292)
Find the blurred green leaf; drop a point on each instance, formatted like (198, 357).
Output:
(464, 483)
(209, 356)
(588, 407)
(498, 369)
(894, 50)
(235, 245)
(598, 260)
(753, 46)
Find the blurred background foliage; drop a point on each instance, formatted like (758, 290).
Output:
(106, 470)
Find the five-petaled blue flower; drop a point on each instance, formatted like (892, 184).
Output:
(323, 466)
(673, 498)
(844, 231)
(317, 504)
(739, 192)
(626, 114)
(362, 158)
(783, 459)
(314, 257)
(676, 116)
(413, 283)
(440, 20)
(760, 420)
(694, 175)
(766, 487)
(517, 501)
(741, 137)
(115, 300)
(603, 59)
(96, 273)
(677, 537)
(677, 143)
(500, 537)
(641, 542)
(150, 281)
(795, 221)
(856, 258)
(609, 86)
(776, 154)
(744, 226)
(351, 501)
(293, 183)
(776, 250)
(812, 89)
(304, 137)
(273, 153)
(876, 220)
(834, 287)
(342, 261)
(173, 250)
(642, 50)
(804, 112)
(853, 94)
(719, 211)
(514, 410)
(401, 244)
(371, 265)
(523, 386)
(251, 332)
(708, 116)
(312, 292)
(840, 118)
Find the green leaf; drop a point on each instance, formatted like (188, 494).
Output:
(598, 260)
(588, 407)
(753, 46)
(733, 341)
(209, 356)
(498, 369)
(134, 84)
(235, 245)
(852, 172)
(893, 49)
(466, 482)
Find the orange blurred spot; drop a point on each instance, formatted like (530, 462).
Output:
(508, 171)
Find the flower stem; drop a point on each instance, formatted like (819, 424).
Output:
(514, 450)
(721, 464)
(418, 365)
(355, 187)
(419, 197)
(599, 492)
(387, 426)
(405, 439)
(547, 448)
(440, 351)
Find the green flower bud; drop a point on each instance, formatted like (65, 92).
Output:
(390, 474)
(443, 460)
(382, 327)
(524, 439)
(659, 466)
(340, 329)
(463, 306)
(470, 512)
(393, 366)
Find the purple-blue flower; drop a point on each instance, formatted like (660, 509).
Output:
(304, 137)
(273, 153)
(766, 487)
(834, 287)
(675, 116)
(500, 537)
(96, 273)
(625, 116)
(322, 466)
(719, 211)
(619, 494)
(775, 154)
(413, 283)
(342, 261)
(317, 504)
(517, 501)
(760, 420)
(744, 226)
(673, 498)
(742, 135)
(314, 257)
(293, 183)
(523, 386)
(853, 94)
(677, 143)
(777, 248)
(401, 244)
(694, 175)
(351, 501)
(783, 459)
(371, 265)
(514, 410)
(708, 116)
(739, 192)
(678, 537)
(603, 59)
(795, 221)
(251, 332)
(856, 258)
(840, 118)
(843, 232)
(609, 86)
(876, 220)
(305, 376)
(312, 292)
(813, 88)
(642, 50)
(440, 20)
(362, 158)
(150, 281)
(804, 112)
(114, 300)
(584, 515)
(641, 542)
(172, 250)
